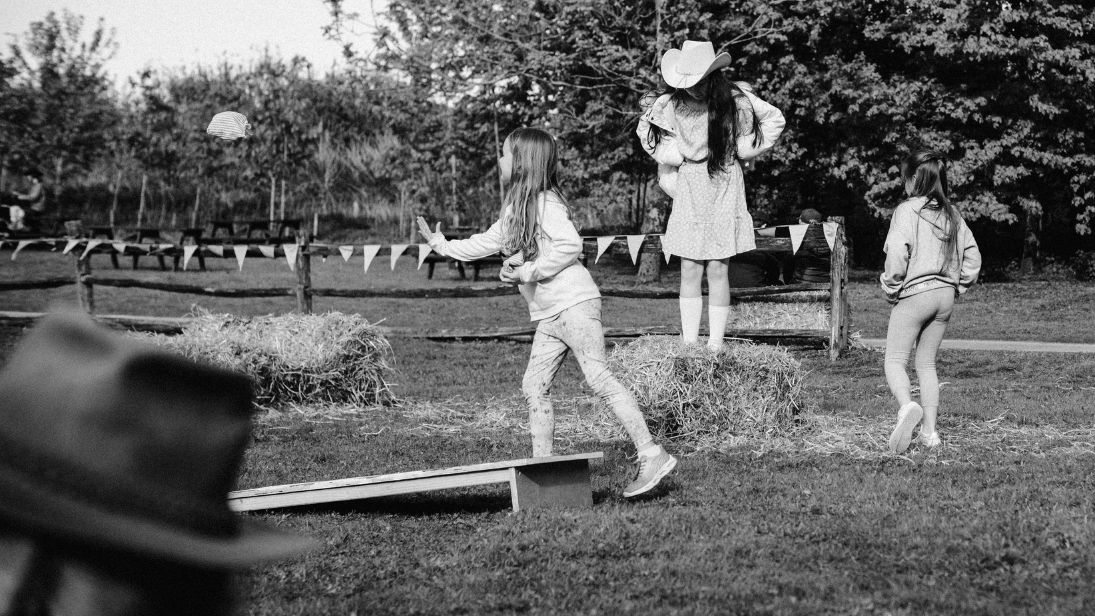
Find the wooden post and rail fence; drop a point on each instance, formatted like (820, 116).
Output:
(836, 335)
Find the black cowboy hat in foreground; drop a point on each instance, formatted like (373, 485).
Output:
(109, 441)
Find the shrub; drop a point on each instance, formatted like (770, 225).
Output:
(701, 399)
(1083, 265)
(294, 358)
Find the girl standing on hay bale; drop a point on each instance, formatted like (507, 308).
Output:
(931, 259)
(543, 247)
(705, 128)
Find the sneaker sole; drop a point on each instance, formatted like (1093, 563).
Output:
(902, 434)
(665, 470)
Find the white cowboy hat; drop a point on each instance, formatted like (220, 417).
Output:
(685, 67)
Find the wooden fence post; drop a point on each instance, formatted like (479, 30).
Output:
(304, 274)
(838, 296)
(85, 292)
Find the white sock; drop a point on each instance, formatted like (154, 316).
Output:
(649, 449)
(691, 312)
(716, 323)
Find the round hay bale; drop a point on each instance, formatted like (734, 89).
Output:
(294, 358)
(695, 397)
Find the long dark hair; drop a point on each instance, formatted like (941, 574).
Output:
(724, 122)
(535, 172)
(927, 171)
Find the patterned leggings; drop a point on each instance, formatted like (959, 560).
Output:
(919, 319)
(576, 329)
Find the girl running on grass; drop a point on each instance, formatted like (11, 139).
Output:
(931, 259)
(715, 126)
(543, 246)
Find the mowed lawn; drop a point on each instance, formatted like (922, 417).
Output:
(998, 521)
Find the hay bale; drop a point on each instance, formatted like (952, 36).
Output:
(698, 398)
(801, 314)
(294, 358)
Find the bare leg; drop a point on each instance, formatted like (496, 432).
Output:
(691, 299)
(718, 301)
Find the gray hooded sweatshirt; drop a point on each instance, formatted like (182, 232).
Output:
(916, 252)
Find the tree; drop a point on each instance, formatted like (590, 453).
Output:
(65, 92)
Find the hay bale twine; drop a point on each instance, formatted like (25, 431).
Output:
(294, 358)
(694, 397)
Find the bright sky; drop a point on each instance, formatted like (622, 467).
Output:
(177, 34)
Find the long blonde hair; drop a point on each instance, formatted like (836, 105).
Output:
(535, 172)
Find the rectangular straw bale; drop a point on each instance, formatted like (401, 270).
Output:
(294, 358)
(693, 396)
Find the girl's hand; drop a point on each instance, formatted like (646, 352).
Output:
(509, 274)
(516, 260)
(424, 229)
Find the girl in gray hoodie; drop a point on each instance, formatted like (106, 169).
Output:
(931, 259)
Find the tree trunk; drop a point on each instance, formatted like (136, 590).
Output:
(114, 203)
(197, 204)
(273, 195)
(140, 208)
(650, 257)
(283, 198)
(498, 152)
(1031, 260)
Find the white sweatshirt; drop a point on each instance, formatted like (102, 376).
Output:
(552, 282)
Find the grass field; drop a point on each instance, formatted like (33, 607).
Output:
(997, 521)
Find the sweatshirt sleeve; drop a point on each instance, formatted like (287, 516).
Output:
(660, 113)
(771, 127)
(560, 251)
(898, 247)
(475, 247)
(971, 259)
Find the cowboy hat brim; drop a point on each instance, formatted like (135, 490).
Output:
(37, 511)
(676, 79)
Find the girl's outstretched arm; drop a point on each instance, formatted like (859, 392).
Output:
(475, 247)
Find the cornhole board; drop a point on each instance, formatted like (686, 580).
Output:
(556, 481)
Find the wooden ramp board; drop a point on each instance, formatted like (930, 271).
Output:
(557, 481)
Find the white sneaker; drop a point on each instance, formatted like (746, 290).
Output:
(907, 418)
(929, 440)
(652, 469)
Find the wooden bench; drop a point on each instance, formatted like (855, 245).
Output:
(558, 481)
(433, 259)
(148, 235)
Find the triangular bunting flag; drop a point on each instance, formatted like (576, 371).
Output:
(603, 243)
(370, 251)
(119, 246)
(291, 251)
(830, 233)
(69, 246)
(397, 249)
(423, 252)
(91, 244)
(188, 251)
(217, 250)
(241, 254)
(22, 244)
(634, 243)
(347, 252)
(797, 233)
(665, 251)
(267, 251)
